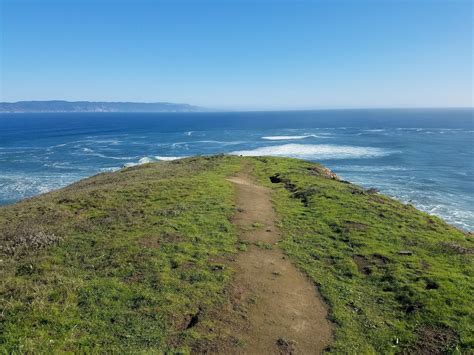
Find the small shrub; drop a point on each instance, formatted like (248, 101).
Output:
(23, 239)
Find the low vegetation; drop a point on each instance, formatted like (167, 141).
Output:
(396, 279)
(131, 261)
(118, 262)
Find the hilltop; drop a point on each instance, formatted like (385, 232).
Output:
(89, 106)
(169, 256)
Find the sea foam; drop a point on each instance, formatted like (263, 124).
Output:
(146, 160)
(286, 138)
(158, 157)
(315, 151)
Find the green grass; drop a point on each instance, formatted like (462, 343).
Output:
(139, 256)
(391, 302)
(127, 261)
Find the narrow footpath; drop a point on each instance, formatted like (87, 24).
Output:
(283, 309)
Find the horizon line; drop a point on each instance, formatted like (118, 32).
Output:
(244, 109)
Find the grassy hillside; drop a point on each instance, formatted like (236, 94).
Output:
(117, 262)
(130, 261)
(396, 279)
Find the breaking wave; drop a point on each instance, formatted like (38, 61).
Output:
(316, 151)
(286, 138)
(156, 158)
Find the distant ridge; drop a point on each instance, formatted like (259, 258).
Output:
(89, 106)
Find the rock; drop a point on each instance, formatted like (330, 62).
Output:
(285, 346)
(324, 172)
(372, 190)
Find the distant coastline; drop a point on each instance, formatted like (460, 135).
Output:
(91, 106)
(63, 106)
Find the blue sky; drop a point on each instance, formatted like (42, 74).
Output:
(259, 54)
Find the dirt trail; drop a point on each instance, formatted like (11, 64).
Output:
(283, 310)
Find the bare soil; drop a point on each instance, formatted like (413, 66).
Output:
(276, 309)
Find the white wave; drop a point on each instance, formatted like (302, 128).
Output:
(286, 138)
(315, 151)
(100, 155)
(57, 146)
(409, 129)
(158, 157)
(18, 186)
(146, 160)
(109, 170)
(63, 165)
(179, 145)
(129, 165)
(188, 133)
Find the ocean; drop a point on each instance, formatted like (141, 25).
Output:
(423, 156)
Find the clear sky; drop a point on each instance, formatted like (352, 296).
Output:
(259, 54)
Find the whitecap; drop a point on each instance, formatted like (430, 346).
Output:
(286, 138)
(315, 151)
(158, 157)
(110, 157)
(58, 165)
(109, 170)
(57, 146)
(145, 160)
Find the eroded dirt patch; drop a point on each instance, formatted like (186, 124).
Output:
(434, 341)
(365, 264)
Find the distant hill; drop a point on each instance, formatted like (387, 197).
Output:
(88, 106)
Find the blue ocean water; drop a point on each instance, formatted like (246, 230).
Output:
(422, 156)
